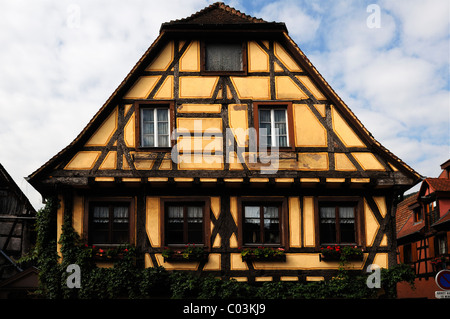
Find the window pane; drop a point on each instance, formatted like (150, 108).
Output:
(327, 213)
(99, 237)
(147, 127)
(147, 115)
(163, 128)
(148, 140)
(271, 225)
(273, 118)
(195, 224)
(174, 225)
(110, 224)
(155, 119)
(223, 57)
(101, 214)
(100, 225)
(281, 128)
(327, 225)
(121, 214)
(347, 224)
(252, 230)
(120, 226)
(162, 115)
(264, 116)
(265, 128)
(280, 116)
(163, 140)
(280, 124)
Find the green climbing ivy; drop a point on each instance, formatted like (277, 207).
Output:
(127, 280)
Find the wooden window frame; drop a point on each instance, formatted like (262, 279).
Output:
(87, 218)
(204, 71)
(289, 121)
(358, 203)
(283, 217)
(439, 238)
(138, 105)
(185, 201)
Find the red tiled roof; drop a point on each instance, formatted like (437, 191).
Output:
(439, 184)
(443, 219)
(403, 213)
(410, 227)
(217, 13)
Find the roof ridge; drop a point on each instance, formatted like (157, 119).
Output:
(222, 6)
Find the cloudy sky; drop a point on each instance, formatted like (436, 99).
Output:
(61, 60)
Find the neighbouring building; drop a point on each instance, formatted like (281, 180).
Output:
(226, 137)
(17, 235)
(423, 234)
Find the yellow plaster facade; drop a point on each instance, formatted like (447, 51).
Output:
(210, 105)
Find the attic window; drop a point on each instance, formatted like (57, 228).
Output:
(224, 57)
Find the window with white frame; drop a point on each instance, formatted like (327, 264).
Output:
(273, 127)
(155, 126)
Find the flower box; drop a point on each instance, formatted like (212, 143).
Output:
(189, 253)
(338, 258)
(440, 263)
(338, 253)
(262, 258)
(110, 253)
(263, 254)
(181, 258)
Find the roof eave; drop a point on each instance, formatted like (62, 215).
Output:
(224, 27)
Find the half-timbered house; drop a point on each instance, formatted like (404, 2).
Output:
(224, 137)
(17, 218)
(423, 234)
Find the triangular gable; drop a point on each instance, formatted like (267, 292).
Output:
(354, 147)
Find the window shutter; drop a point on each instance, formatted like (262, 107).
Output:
(401, 255)
(431, 246)
(448, 242)
(414, 251)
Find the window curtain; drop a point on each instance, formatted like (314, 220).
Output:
(280, 124)
(147, 127)
(101, 214)
(121, 214)
(346, 215)
(252, 214)
(195, 214)
(327, 215)
(175, 214)
(163, 127)
(270, 217)
(265, 127)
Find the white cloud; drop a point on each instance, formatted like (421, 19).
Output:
(60, 61)
(300, 24)
(395, 78)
